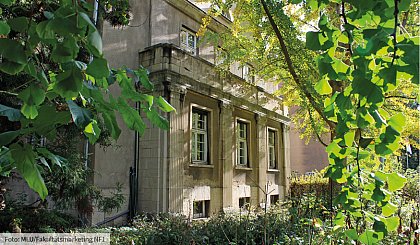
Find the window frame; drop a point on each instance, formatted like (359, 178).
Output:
(206, 132)
(275, 148)
(247, 75)
(276, 197)
(205, 209)
(246, 203)
(247, 163)
(185, 45)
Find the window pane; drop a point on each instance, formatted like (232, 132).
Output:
(191, 41)
(242, 143)
(183, 38)
(272, 161)
(199, 138)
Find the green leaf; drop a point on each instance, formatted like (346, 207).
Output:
(397, 122)
(12, 114)
(368, 90)
(380, 227)
(369, 237)
(48, 119)
(404, 5)
(19, 24)
(131, 117)
(69, 83)
(389, 209)
(8, 136)
(157, 119)
(55, 159)
(389, 141)
(378, 195)
(317, 41)
(4, 28)
(44, 30)
(24, 158)
(111, 124)
(98, 68)
(67, 26)
(143, 76)
(94, 44)
(32, 97)
(81, 116)
(65, 51)
(12, 51)
(92, 131)
(11, 68)
(323, 87)
(349, 138)
(164, 105)
(364, 142)
(7, 2)
(334, 148)
(395, 181)
(352, 234)
(392, 223)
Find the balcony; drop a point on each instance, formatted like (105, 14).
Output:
(167, 62)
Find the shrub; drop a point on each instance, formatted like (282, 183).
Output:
(18, 217)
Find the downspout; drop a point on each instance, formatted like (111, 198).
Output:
(86, 147)
(134, 177)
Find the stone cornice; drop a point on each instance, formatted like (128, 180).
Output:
(218, 24)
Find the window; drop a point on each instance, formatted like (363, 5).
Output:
(199, 136)
(188, 41)
(242, 143)
(246, 74)
(201, 209)
(274, 199)
(272, 149)
(244, 203)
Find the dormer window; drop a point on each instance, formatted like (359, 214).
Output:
(188, 41)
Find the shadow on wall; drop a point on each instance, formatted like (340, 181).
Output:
(306, 158)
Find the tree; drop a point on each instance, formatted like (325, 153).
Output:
(53, 73)
(367, 73)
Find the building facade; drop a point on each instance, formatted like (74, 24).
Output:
(228, 143)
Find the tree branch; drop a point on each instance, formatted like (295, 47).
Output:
(400, 96)
(291, 68)
(316, 133)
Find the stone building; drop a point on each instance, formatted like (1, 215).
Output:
(228, 143)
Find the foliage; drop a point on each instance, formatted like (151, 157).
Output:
(16, 215)
(302, 219)
(365, 83)
(69, 184)
(56, 74)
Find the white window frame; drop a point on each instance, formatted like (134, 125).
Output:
(274, 147)
(184, 42)
(246, 73)
(245, 140)
(195, 131)
(204, 212)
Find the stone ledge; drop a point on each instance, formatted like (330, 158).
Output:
(201, 166)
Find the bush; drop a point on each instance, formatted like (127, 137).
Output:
(17, 217)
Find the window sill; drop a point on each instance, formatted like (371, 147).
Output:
(194, 165)
(273, 170)
(201, 219)
(243, 168)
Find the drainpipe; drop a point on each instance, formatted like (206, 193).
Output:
(134, 177)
